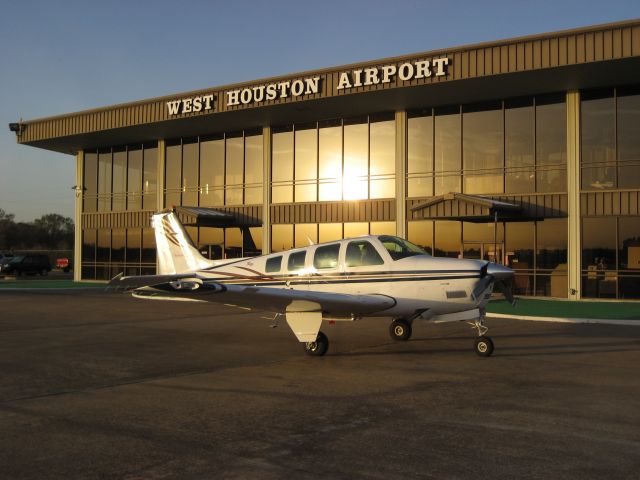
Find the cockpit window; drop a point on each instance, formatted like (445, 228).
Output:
(327, 256)
(296, 261)
(360, 253)
(399, 248)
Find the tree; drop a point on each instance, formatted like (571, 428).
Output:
(51, 231)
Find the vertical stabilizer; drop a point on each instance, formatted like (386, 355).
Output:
(176, 251)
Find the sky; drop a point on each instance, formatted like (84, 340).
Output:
(66, 56)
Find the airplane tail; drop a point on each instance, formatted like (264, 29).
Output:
(176, 251)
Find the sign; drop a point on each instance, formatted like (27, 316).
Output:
(359, 77)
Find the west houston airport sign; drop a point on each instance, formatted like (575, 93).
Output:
(360, 77)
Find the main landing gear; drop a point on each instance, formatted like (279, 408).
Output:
(483, 345)
(400, 330)
(317, 348)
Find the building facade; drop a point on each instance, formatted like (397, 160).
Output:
(522, 151)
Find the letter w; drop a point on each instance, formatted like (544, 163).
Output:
(174, 107)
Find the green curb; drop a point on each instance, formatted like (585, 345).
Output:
(42, 284)
(528, 307)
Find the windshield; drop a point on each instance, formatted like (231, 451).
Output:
(399, 248)
(16, 259)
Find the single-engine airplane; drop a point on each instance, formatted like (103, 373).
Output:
(342, 280)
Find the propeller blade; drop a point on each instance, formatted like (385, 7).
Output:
(481, 286)
(505, 289)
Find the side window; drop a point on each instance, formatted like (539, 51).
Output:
(361, 253)
(296, 261)
(273, 264)
(326, 257)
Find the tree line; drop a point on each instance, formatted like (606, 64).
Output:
(49, 232)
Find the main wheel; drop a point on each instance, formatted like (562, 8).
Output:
(317, 348)
(400, 330)
(483, 346)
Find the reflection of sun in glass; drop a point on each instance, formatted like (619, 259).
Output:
(354, 184)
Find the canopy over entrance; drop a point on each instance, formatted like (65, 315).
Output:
(211, 217)
(469, 208)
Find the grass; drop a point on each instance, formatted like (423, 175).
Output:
(532, 307)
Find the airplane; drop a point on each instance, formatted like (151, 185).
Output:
(341, 280)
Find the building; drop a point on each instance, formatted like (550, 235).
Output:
(525, 151)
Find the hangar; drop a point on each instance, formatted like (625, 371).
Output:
(524, 151)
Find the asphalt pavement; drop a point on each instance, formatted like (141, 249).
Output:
(101, 385)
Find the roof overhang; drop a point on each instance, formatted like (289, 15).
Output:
(469, 208)
(211, 217)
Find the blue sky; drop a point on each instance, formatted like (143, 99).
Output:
(65, 56)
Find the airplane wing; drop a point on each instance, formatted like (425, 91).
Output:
(278, 300)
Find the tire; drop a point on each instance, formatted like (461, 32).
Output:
(483, 346)
(317, 348)
(400, 330)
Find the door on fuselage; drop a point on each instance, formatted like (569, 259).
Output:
(361, 260)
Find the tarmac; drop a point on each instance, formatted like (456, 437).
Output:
(101, 385)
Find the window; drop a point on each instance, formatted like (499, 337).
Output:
(447, 150)
(483, 155)
(90, 181)
(519, 142)
(212, 171)
(134, 178)
(296, 261)
(305, 234)
(282, 166)
(361, 254)
(273, 264)
(326, 257)
(399, 248)
(190, 161)
(420, 154)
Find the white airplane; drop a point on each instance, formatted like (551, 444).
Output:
(343, 280)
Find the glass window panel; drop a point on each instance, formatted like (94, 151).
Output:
(356, 159)
(482, 232)
(382, 228)
(483, 149)
(447, 160)
(599, 255)
(629, 243)
(356, 229)
(629, 130)
(326, 257)
(233, 243)
(519, 146)
(281, 237)
(190, 169)
(305, 232)
(211, 242)
(90, 182)
(234, 170)
(253, 170)
(629, 176)
(103, 250)
(104, 181)
(420, 232)
(212, 172)
(382, 159)
(330, 161)
(598, 142)
(328, 232)
(282, 167)
(88, 245)
(119, 179)
(447, 239)
(361, 254)
(551, 144)
(148, 246)
(118, 238)
(273, 264)
(134, 244)
(150, 175)
(173, 174)
(134, 179)
(420, 156)
(306, 164)
(252, 241)
(519, 248)
(552, 244)
(296, 261)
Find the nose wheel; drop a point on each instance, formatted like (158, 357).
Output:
(483, 346)
(400, 330)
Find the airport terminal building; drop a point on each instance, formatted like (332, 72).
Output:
(523, 151)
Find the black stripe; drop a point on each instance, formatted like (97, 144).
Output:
(369, 280)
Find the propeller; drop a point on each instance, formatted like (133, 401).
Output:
(500, 276)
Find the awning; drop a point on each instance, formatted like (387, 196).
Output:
(212, 217)
(468, 208)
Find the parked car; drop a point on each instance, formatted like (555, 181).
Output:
(28, 264)
(63, 264)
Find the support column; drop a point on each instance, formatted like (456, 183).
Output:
(266, 190)
(160, 176)
(77, 239)
(574, 246)
(401, 155)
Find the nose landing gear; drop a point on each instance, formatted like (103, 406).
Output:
(483, 345)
